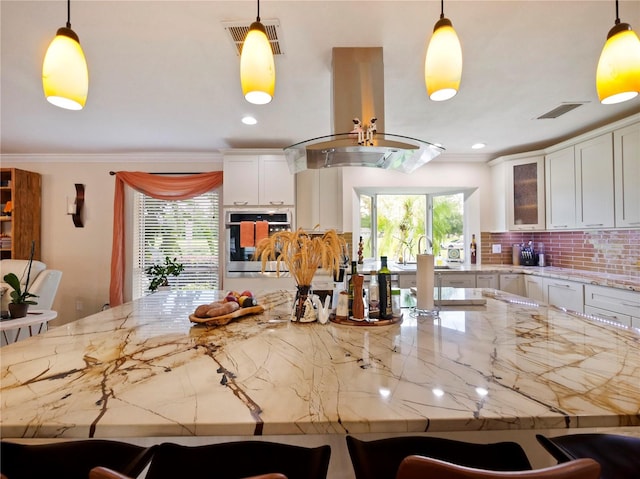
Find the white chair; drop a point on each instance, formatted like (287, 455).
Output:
(43, 282)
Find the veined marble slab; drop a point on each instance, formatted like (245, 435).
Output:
(142, 369)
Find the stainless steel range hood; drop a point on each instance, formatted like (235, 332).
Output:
(358, 92)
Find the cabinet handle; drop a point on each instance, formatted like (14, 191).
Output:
(240, 203)
(561, 285)
(560, 226)
(594, 224)
(456, 282)
(630, 305)
(276, 202)
(634, 222)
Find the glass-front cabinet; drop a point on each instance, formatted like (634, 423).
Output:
(525, 194)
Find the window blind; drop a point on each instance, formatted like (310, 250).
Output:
(187, 230)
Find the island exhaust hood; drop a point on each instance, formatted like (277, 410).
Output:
(358, 122)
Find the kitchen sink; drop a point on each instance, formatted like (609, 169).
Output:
(411, 265)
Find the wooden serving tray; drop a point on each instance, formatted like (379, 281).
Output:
(227, 318)
(375, 322)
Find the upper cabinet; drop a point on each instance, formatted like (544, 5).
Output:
(579, 182)
(518, 193)
(626, 160)
(525, 194)
(594, 183)
(560, 178)
(319, 199)
(20, 194)
(257, 180)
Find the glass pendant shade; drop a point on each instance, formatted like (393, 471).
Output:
(65, 77)
(257, 68)
(618, 72)
(443, 62)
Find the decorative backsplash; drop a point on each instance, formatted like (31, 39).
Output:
(607, 251)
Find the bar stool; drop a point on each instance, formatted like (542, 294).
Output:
(380, 459)
(619, 456)
(418, 467)
(105, 473)
(71, 459)
(241, 459)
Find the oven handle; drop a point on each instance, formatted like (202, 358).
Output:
(274, 223)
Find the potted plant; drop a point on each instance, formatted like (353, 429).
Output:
(159, 273)
(20, 301)
(303, 254)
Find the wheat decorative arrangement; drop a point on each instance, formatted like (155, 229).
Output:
(303, 254)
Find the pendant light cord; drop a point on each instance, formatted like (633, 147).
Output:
(68, 13)
(442, 8)
(258, 17)
(617, 14)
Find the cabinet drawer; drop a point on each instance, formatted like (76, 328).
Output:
(457, 280)
(407, 280)
(612, 299)
(608, 315)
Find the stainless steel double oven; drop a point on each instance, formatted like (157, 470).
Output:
(240, 261)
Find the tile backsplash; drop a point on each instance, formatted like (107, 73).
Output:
(605, 251)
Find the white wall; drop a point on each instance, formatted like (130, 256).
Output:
(84, 254)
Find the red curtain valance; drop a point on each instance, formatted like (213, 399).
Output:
(156, 186)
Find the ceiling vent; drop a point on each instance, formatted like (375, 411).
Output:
(238, 32)
(560, 110)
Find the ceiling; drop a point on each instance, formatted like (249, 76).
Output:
(164, 75)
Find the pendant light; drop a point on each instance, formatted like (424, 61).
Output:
(65, 77)
(618, 73)
(257, 69)
(443, 63)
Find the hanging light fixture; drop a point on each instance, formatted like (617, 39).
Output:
(443, 63)
(257, 69)
(65, 77)
(618, 73)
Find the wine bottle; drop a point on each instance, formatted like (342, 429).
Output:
(374, 296)
(472, 249)
(384, 279)
(354, 272)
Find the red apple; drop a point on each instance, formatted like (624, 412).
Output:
(247, 293)
(231, 297)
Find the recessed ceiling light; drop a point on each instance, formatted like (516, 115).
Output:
(477, 146)
(249, 120)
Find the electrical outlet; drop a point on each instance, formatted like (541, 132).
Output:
(496, 248)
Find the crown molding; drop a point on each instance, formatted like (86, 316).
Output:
(145, 157)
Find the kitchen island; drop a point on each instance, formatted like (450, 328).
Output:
(144, 370)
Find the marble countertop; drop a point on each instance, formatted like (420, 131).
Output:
(142, 369)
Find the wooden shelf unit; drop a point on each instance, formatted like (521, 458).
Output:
(23, 189)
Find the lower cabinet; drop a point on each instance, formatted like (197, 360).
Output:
(534, 288)
(564, 294)
(612, 304)
(485, 280)
(512, 283)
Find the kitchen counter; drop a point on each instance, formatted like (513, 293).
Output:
(143, 369)
(630, 283)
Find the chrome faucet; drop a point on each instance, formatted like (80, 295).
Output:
(405, 250)
(429, 248)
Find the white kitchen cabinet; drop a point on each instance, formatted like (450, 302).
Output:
(512, 283)
(533, 288)
(564, 294)
(613, 304)
(560, 189)
(257, 180)
(525, 194)
(626, 168)
(486, 280)
(457, 280)
(594, 183)
(319, 199)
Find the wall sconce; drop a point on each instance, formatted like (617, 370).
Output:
(74, 208)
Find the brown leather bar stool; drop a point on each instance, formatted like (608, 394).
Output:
(71, 459)
(105, 473)
(380, 459)
(618, 456)
(236, 460)
(419, 467)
